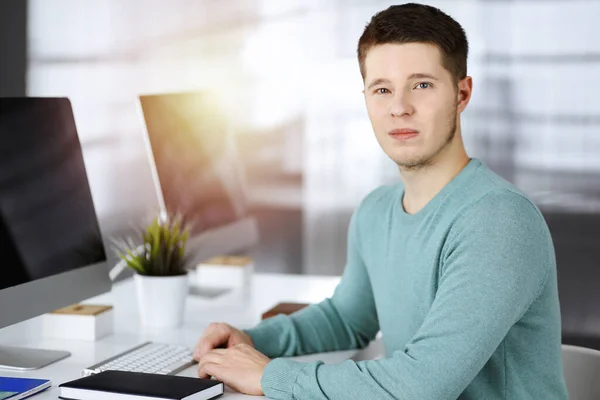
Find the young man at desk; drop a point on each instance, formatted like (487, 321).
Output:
(454, 265)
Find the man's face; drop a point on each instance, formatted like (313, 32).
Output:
(412, 102)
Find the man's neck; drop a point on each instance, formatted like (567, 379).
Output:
(422, 185)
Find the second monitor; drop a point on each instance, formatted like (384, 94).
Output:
(197, 172)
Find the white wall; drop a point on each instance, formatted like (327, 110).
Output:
(534, 65)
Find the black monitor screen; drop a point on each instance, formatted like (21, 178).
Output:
(194, 157)
(48, 223)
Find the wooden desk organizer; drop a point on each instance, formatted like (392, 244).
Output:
(283, 308)
(79, 322)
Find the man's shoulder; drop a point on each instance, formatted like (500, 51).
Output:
(504, 201)
(487, 199)
(499, 211)
(489, 191)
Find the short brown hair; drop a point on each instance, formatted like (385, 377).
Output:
(417, 23)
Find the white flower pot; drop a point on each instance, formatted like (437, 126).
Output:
(161, 300)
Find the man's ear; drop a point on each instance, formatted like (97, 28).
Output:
(465, 88)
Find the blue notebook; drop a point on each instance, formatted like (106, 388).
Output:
(20, 388)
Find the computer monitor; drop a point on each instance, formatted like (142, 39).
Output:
(51, 250)
(197, 173)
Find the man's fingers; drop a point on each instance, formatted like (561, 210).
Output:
(216, 356)
(245, 348)
(218, 351)
(209, 358)
(208, 370)
(202, 373)
(205, 370)
(214, 336)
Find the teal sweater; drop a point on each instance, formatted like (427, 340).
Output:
(464, 293)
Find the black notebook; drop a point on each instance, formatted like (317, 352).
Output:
(110, 385)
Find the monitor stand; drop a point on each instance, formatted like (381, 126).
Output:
(25, 359)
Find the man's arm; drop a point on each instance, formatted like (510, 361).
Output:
(347, 320)
(496, 264)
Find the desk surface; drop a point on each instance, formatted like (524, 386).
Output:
(267, 290)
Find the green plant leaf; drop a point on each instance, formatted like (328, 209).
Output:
(134, 262)
(163, 248)
(184, 238)
(154, 231)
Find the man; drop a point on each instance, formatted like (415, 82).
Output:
(454, 265)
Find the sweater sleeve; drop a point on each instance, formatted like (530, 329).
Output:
(347, 320)
(495, 264)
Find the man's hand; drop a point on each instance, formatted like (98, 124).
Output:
(240, 367)
(220, 335)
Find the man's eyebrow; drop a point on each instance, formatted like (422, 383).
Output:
(378, 81)
(417, 75)
(422, 76)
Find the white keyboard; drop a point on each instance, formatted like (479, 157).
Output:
(149, 357)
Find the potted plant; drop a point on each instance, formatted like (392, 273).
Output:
(161, 278)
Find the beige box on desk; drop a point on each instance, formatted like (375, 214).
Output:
(233, 272)
(79, 322)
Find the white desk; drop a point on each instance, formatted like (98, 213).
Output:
(267, 290)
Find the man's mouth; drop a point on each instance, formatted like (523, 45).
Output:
(403, 134)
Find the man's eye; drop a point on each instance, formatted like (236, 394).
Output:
(423, 85)
(382, 91)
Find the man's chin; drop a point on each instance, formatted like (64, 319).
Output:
(411, 163)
